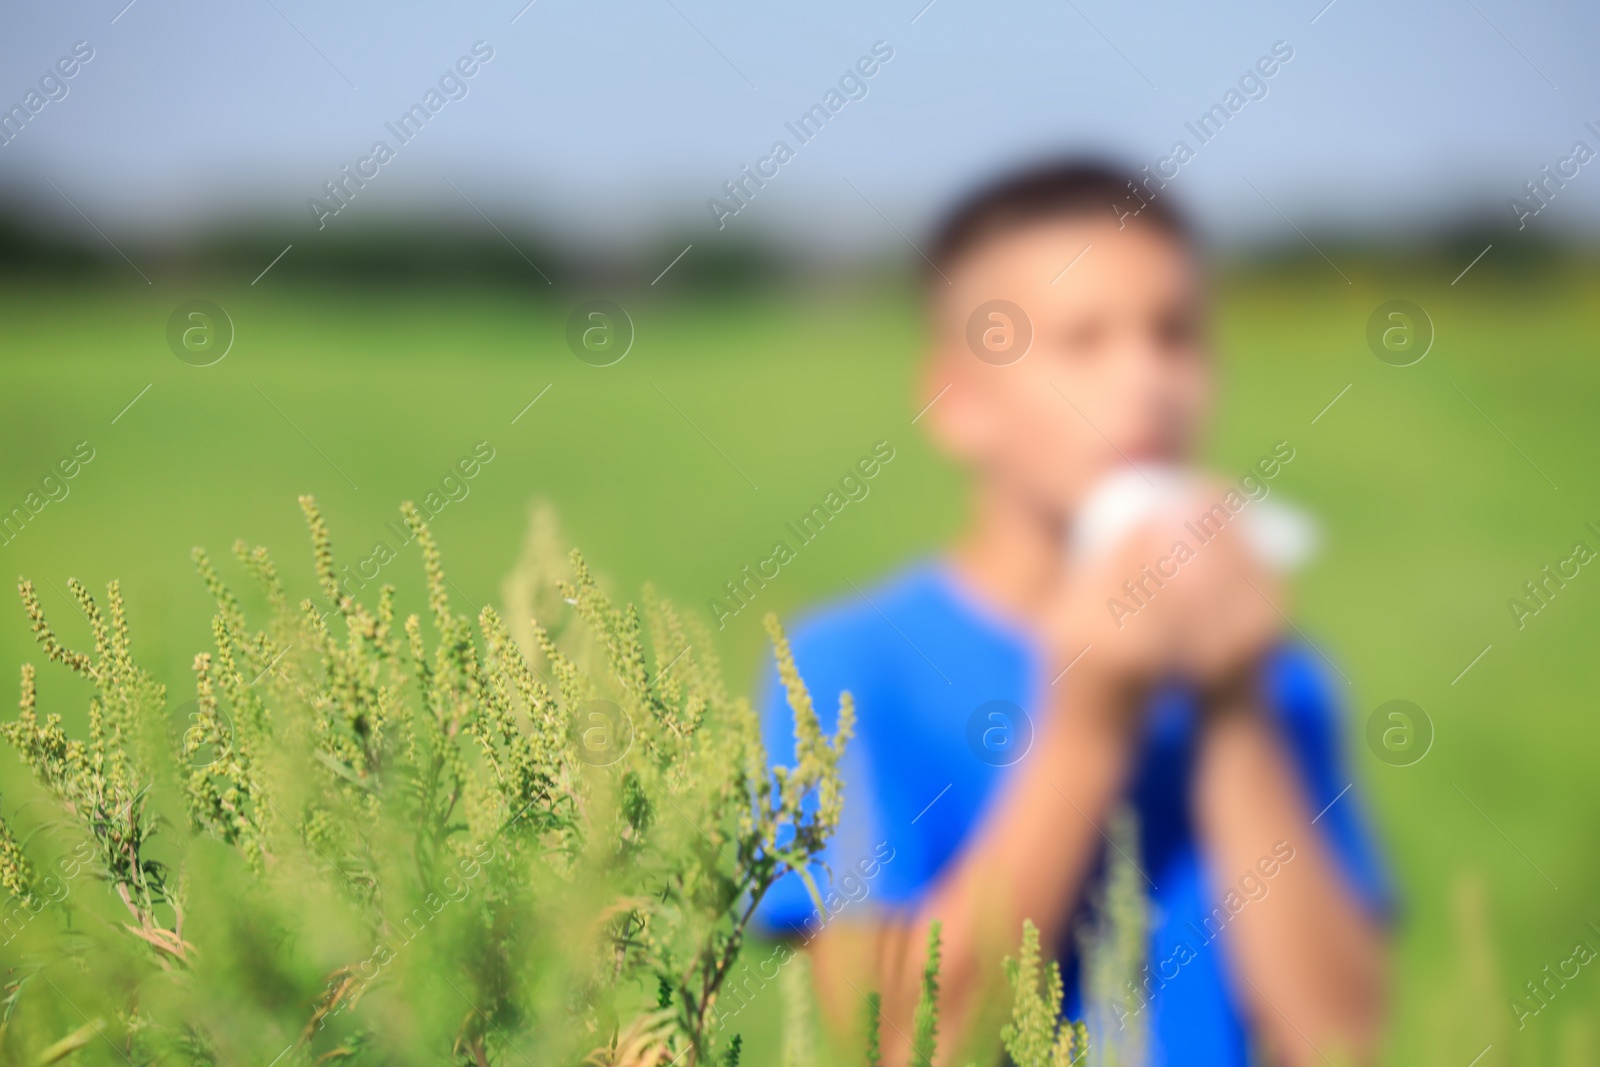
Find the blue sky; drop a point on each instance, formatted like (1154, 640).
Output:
(612, 122)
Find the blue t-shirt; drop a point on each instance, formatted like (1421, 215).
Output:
(921, 659)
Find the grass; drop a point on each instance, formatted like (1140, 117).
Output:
(680, 465)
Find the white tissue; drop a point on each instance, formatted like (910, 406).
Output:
(1283, 537)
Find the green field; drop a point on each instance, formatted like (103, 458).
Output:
(1443, 486)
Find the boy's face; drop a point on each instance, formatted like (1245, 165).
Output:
(1117, 370)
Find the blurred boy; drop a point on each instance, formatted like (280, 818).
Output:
(1179, 697)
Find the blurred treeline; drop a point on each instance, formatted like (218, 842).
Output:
(50, 247)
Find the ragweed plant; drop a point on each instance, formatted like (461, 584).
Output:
(925, 1022)
(1037, 1036)
(100, 783)
(1113, 945)
(406, 838)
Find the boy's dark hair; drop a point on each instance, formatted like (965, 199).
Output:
(1059, 189)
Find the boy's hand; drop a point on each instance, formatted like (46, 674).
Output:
(1162, 605)
(1229, 611)
(1121, 639)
